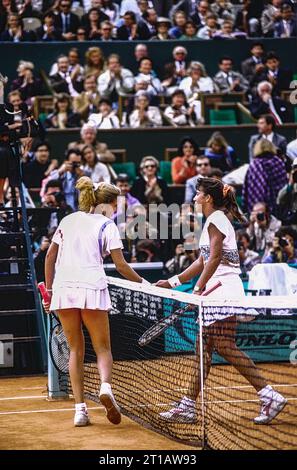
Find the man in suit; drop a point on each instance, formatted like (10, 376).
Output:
(270, 16)
(279, 78)
(62, 81)
(47, 32)
(266, 103)
(229, 81)
(286, 27)
(66, 21)
(129, 30)
(253, 64)
(199, 18)
(87, 102)
(266, 130)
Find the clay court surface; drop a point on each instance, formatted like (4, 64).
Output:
(29, 421)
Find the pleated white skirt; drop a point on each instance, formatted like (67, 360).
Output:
(80, 297)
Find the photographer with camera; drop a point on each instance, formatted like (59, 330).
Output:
(283, 247)
(68, 173)
(261, 229)
(287, 199)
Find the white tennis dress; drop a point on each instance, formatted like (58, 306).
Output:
(229, 268)
(80, 280)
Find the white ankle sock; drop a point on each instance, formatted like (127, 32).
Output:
(80, 407)
(266, 391)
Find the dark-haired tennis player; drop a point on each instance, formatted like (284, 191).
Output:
(219, 261)
(76, 281)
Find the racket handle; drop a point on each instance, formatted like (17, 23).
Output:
(44, 293)
(211, 289)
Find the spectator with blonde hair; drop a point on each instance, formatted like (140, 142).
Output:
(265, 177)
(95, 62)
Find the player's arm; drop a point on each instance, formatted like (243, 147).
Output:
(123, 267)
(194, 270)
(216, 247)
(50, 261)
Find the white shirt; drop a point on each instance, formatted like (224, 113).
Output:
(80, 262)
(104, 122)
(205, 84)
(97, 174)
(269, 137)
(230, 259)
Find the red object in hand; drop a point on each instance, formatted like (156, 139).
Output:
(44, 293)
(211, 289)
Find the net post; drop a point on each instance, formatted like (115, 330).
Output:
(57, 384)
(201, 354)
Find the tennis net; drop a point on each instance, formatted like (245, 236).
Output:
(151, 381)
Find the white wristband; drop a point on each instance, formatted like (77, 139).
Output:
(174, 281)
(144, 281)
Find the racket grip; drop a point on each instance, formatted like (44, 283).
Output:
(44, 293)
(211, 289)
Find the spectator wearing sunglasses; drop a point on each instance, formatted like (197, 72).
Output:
(203, 169)
(149, 188)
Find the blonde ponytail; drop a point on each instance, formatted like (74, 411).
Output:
(105, 193)
(87, 198)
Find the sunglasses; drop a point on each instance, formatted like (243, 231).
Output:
(202, 164)
(150, 166)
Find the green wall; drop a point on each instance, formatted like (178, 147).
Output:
(141, 142)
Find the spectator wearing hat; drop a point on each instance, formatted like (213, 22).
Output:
(144, 115)
(175, 71)
(163, 25)
(106, 118)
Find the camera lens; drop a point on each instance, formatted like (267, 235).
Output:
(283, 242)
(261, 216)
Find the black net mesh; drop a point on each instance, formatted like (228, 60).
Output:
(244, 348)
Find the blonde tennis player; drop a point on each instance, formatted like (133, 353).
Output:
(76, 281)
(219, 261)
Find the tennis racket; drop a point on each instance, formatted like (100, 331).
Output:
(157, 329)
(58, 346)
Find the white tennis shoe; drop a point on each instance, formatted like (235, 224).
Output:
(183, 412)
(272, 403)
(81, 417)
(113, 412)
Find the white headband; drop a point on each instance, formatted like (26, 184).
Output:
(96, 186)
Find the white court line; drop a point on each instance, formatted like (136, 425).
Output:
(37, 387)
(45, 411)
(239, 401)
(23, 398)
